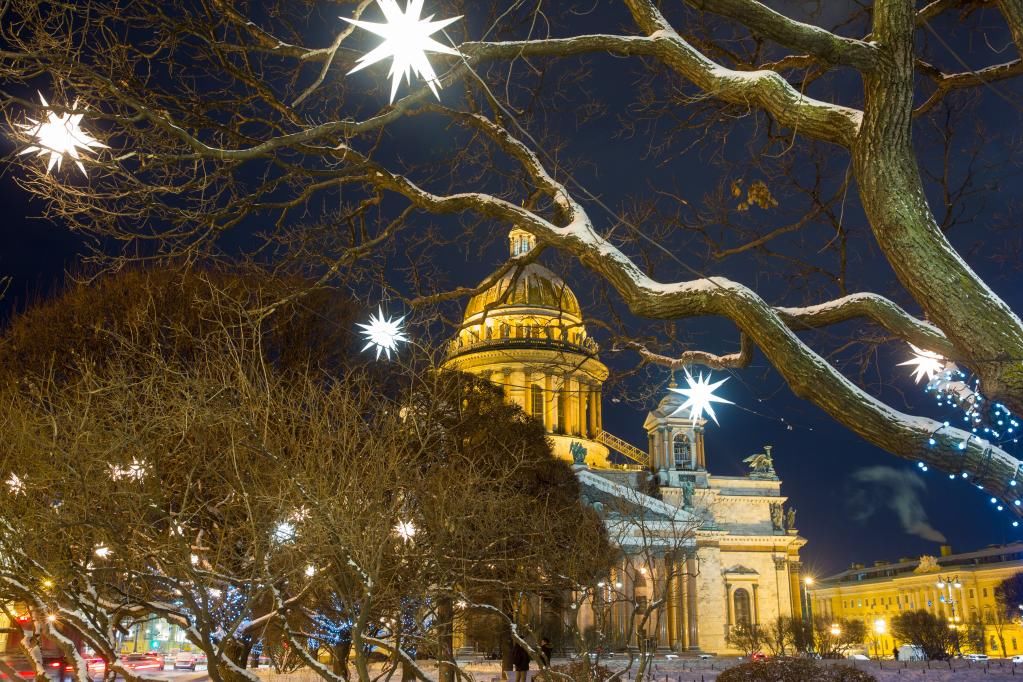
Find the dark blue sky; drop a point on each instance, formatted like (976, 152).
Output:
(844, 520)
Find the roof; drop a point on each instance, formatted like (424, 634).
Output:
(534, 286)
(989, 557)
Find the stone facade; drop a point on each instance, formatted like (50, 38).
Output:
(700, 553)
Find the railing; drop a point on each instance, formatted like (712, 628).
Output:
(587, 347)
(623, 447)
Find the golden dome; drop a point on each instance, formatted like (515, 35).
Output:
(534, 286)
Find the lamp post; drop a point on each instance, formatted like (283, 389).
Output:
(880, 628)
(807, 609)
(947, 584)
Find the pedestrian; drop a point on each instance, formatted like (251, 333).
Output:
(546, 650)
(520, 662)
(895, 653)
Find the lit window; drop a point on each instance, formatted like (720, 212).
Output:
(537, 402)
(682, 451)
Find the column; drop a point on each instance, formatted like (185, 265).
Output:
(756, 605)
(549, 403)
(506, 384)
(600, 409)
(520, 389)
(593, 412)
(694, 630)
(683, 610)
(581, 413)
(701, 456)
(729, 616)
(572, 387)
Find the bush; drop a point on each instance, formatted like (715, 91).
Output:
(794, 670)
(582, 671)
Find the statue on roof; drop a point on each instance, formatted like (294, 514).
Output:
(928, 564)
(762, 464)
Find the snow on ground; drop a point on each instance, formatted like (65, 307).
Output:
(692, 670)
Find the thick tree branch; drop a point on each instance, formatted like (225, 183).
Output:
(879, 310)
(822, 44)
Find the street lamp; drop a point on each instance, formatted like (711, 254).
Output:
(807, 614)
(880, 628)
(948, 583)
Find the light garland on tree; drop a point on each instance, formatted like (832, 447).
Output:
(59, 135)
(15, 484)
(384, 333)
(135, 471)
(699, 396)
(406, 42)
(984, 420)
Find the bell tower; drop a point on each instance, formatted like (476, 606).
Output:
(676, 442)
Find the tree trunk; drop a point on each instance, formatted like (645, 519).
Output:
(987, 333)
(445, 640)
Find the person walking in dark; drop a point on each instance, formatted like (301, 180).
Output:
(546, 650)
(520, 662)
(895, 653)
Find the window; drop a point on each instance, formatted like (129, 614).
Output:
(993, 643)
(1014, 647)
(742, 607)
(683, 453)
(971, 593)
(537, 402)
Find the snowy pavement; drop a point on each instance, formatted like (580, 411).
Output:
(684, 670)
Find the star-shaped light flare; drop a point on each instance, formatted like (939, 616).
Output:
(699, 396)
(59, 135)
(406, 42)
(383, 332)
(926, 364)
(406, 530)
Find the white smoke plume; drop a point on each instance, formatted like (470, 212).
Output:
(898, 490)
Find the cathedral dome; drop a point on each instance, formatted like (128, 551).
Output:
(533, 286)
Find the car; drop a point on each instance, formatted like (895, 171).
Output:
(1018, 658)
(185, 660)
(859, 657)
(142, 662)
(705, 657)
(758, 657)
(975, 657)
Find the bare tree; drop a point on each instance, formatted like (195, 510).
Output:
(225, 115)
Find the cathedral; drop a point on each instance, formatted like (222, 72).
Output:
(701, 554)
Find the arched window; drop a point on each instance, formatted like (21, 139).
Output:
(740, 598)
(682, 451)
(536, 402)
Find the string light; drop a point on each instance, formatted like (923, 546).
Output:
(59, 135)
(406, 42)
(15, 484)
(136, 471)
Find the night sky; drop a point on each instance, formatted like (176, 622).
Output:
(849, 510)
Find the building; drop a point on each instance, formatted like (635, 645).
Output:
(956, 587)
(721, 550)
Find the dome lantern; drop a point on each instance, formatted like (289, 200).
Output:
(520, 242)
